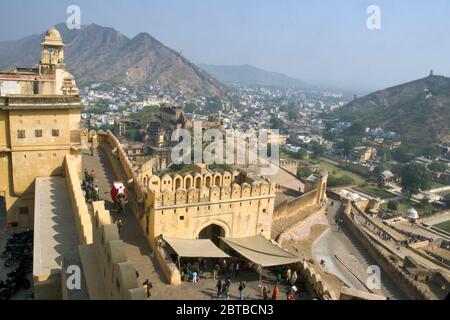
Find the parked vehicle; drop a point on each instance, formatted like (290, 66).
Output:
(18, 252)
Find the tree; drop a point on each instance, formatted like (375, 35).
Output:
(304, 171)
(437, 167)
(347, 145)
(356, 130)
(430, 150)
(334, 181)
(329, 135)
(403, 154)
(379, 169)
(318, 149)
(276, 123)
(189, 107)
(134, 135)
(386, 154)
(393, 205)
(301, 154)
(415, 177)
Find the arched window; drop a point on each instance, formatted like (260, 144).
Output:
(188, 183)
(198, 182)
(177, 183)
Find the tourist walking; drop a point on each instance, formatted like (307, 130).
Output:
(92, 177)
(228, 287)
(265, 292)
(86, 175)
(231, 269)
(224, 292)
(279, 277)
(241, 290)
(119, 224)
(147, 285)
(96, 193)
(195, 277)
(236, 270)
(288, 275)
(219, 287)
(84, 194)
(294, 278)
(276, 292)
(216, 271)
(224, 266)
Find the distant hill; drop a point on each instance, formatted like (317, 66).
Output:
(418, 110)
(251, 76)
(99, 54)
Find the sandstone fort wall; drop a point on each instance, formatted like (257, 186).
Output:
(288, 209)
(404, 282)
(108, 273)
(82, 217)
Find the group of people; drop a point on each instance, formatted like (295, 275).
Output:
(223, 288)
(224, 271)
(91, 191)
(290, 292)
(227, 268)
(339, 222)
(193, 270)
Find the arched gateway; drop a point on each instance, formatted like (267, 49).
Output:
(212, 232)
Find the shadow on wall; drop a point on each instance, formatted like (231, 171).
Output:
(3, 218)
(66, 235)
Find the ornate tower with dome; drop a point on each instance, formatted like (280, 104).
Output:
(39, 126)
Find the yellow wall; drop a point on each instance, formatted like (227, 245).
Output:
(38, 156)
(33, 156)
(82, 217)
(4, 136)
(182, 206)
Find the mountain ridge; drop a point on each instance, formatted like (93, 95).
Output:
(249, 75)
(102, 54)
(419, 110)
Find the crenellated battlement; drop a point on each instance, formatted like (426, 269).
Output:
(225, 193)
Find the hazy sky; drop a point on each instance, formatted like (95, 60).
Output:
(321, 42)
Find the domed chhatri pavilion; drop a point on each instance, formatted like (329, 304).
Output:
(412, 214)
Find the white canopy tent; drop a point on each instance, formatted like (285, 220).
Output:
(195, 248)
(261, 251)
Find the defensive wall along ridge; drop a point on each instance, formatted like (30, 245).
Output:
(123, 169)
(407, 283)
(107, 272)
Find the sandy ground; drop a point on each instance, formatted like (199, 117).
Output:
(346, 262)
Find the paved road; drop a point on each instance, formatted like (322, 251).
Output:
(137, 248)
(347, 259)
